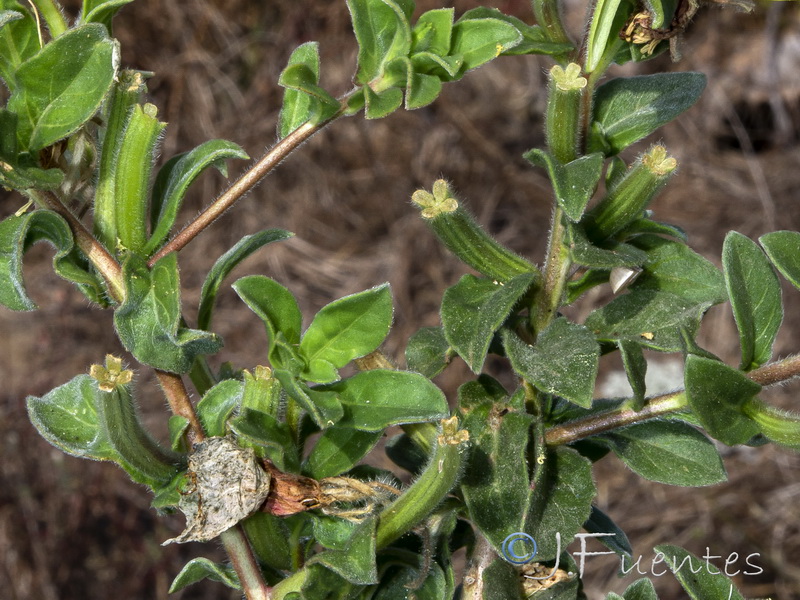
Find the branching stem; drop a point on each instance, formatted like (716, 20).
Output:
(771, 374)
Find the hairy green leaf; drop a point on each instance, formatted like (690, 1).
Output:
(477, 41)
(268, 436)
(534, 38)
(148, 321)
(198, 569)
(755, 294)
(17, 234)
(356, 561)
(304, 99)
(339, 449)
(61, 87)
(716, 394)
(18, 39)
(433, 32)
(217, 405)
(563, 361)
(345, 329)
(474, 309)
(226, 263)
(701, 580)
(607, 255)
(600, 522)
(323, 407)
(628, 109)
(172, 183)
(101, 11)
(428, 352)
(635, 369)
(573, 183)
(669, 452)
(608, 17)
(783, 249)
(383, 32)
(374, 400)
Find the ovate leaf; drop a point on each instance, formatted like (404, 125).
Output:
(148, 322)
(218, 404)
(573, 183)
(345, 329)
(101, 11)
(304, 100)
(17, 234)
(783, 249)
(669, 452)
(563, 361)
(474, 309)
(477, 41)
(226, 263)
(534, 38)
(374, 400)
(337, 450)
(61, 87)
(694, 574)
(628, 109)
(383, 32)
(428, 352)
(716, 394)
(356, 561)
(755, 294)
(198, 569)
(18, 39)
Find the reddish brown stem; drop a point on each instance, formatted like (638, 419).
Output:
(179, 403)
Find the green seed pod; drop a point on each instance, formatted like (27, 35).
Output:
(563, 116)
(428, 491)
(459, 232)
(779, 426)
(627, 201)
(141, 457)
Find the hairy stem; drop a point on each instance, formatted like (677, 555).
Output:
(244, 563)
(51, 14)
(105, 264)
(771, 374)
(547, 15)
(180, 403)
(241, 186)
(556, 269)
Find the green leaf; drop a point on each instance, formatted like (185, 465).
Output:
(755, 294)
(635, 369)
(534, 38)
(269, 537)
(661, 11)
(560, 500)
(198, 569)
(651, 318)
(374, 400)
(345, 329)
(607, 20)
(573, 183)
(433, 32)
(383, 32)
(276, 306)
(600, 522)
(61, 87)
(268, 436)
(172, 183)
(563, 361)
(315, 582)
(101, 11)
(304, 99)
(668, 452)
(339, 449)
(218, 404)
(20, 170)
(18, 39)
(421, 89)
(716, 394)
(428, 352)
(18, 234)
(378, 105)
(701, 580)
(356, 561)
(673, 267)
(405, 453)
(148, 321)
(495, 483)
(474, 309)
(783, 249)
(226, 263)
(628, 109)
(499, 580)
(84, 421)
(402, 576)
(477, 41)
(607, 255)
(641, 589)
(324, 408)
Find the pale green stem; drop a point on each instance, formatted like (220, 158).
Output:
(50, 11)
(244, 563)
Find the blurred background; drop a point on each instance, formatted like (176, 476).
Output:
(71, 529)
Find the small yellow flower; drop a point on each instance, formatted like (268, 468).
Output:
(112, 375)
(570, 79)
(436, 203)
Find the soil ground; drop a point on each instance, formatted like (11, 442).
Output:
(75, 530)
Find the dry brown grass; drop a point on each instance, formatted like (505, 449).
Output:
(71, 529)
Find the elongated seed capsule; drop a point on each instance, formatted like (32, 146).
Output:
(629, 198)
(459, 232)
(141, 457)
(132, 176)
(779, 426)
(428, 491)
(563, 116)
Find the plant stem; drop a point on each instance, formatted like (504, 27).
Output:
(244, 563)
(547, 15)
(778, 372)
(556, 268)
(242, 185)
(180, 404)
(49, 10)
(94, 250)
